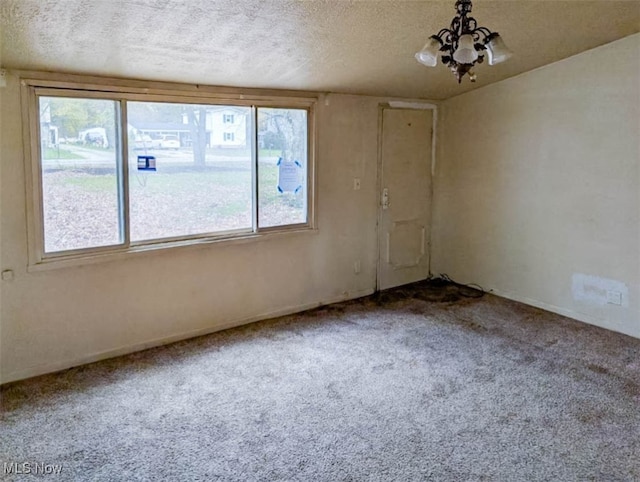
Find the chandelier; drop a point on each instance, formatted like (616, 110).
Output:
(463, 45)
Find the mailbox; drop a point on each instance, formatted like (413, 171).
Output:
(146, 163)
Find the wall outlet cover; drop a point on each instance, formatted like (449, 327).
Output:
(614, 298)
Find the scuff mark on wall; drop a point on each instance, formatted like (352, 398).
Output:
(599, 291)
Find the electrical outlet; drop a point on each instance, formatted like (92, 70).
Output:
(614, 298)
(357, 267)
(3, 78)
(7, 275)
(356, 184)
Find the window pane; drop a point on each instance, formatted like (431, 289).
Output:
(201, 181)
(282, 166)
(78, 161)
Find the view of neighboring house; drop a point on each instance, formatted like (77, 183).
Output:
(226, 126)
(49, 131)
(142, 129)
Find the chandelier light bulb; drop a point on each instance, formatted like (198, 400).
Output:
(498, 51)
(466, 52)
(429, 54)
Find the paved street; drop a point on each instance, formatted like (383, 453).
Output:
(97, 158)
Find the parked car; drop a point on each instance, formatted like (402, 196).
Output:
(142, 142)
(169, 142)
(96, 136)
(156, 139)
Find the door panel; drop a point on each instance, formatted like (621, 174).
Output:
(405, 242)
(404, 216)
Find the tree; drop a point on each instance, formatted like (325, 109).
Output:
(169, 113)
(71, 115)
(197, 117)
(274, 140)
(286, 129)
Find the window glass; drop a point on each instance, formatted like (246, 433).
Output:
(193, 170)
(282, 166)
(184, 176)
(78, 161)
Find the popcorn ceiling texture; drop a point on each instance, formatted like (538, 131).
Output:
(417, 383)
(362, 47)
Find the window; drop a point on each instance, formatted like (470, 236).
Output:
(227, 118)
(79, 173)
(282, 167)
(196, 190)
(104, 183)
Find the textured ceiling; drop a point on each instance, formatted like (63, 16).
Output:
(363, 47)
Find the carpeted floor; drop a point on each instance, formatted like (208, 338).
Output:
(418, 383)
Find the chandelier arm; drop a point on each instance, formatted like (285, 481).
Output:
(456, 25)
(445, 37)
(485, 32)
(442, 32)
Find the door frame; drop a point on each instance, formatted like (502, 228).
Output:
(402, 105)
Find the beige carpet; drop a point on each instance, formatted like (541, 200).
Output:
(419, 383)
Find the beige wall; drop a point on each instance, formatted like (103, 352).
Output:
(62, 317)
(537, 188)
(537, 196)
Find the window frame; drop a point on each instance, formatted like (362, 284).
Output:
(38, 85)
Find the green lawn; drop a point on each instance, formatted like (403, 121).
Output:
(59, 153)
(269, 153)
(243, 152)
(103, 183)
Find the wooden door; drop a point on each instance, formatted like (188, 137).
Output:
(404, 208)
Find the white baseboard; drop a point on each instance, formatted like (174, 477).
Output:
(103, 355)
(575, 315)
